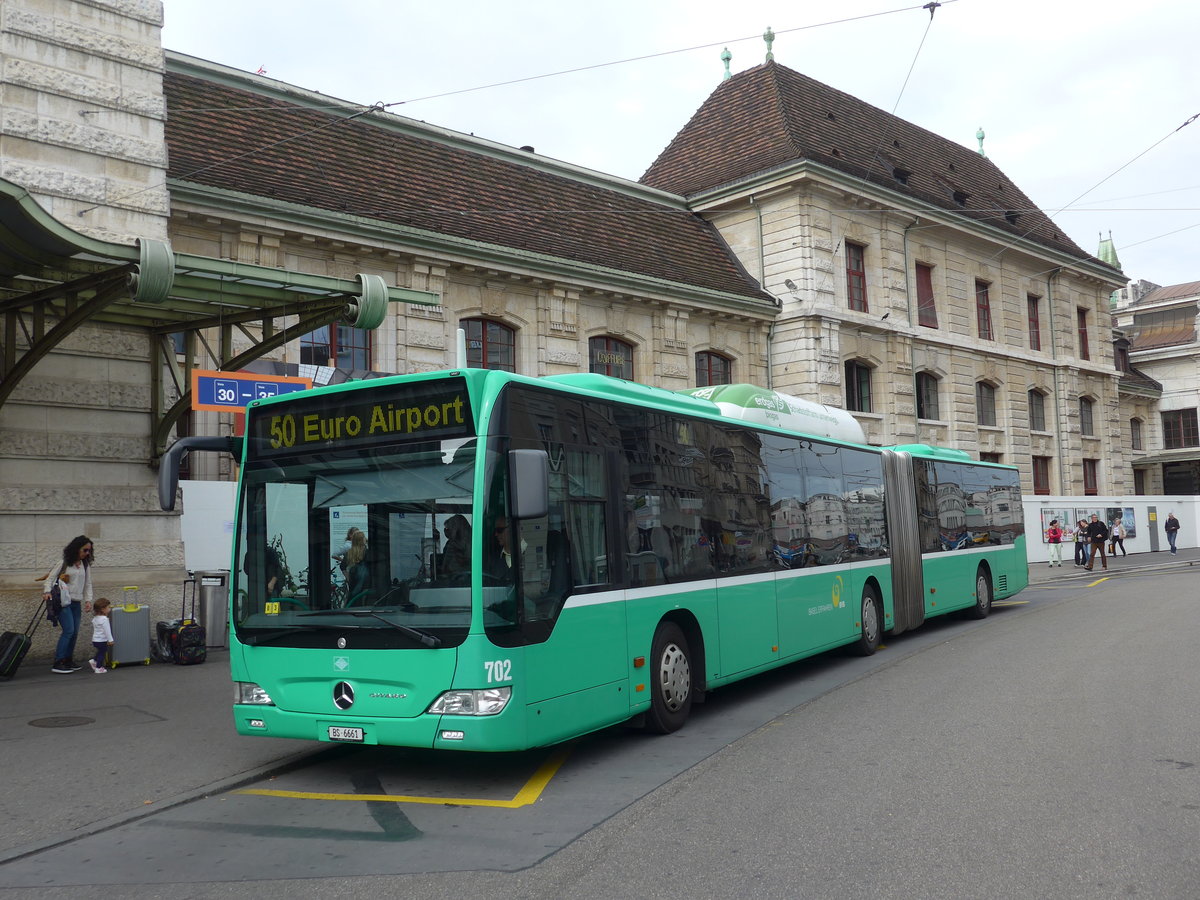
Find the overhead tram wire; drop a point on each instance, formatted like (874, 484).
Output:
(707, 46)
(1110, 175)
(932, 6)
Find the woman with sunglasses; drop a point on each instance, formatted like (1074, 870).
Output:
(74, 574)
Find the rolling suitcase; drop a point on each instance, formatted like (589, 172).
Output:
(15, 644)
(131, 632)
(186, 639)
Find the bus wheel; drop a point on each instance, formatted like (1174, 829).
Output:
(872, 623)
(983, 595)
(670, 680)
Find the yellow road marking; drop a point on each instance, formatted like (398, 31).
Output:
(1009, 602)
(526, 795)
(1098, 581)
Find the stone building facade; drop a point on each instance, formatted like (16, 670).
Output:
(82, 131)
(1162, 340)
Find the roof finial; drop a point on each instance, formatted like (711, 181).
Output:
(769, 37)
(979, 136)
(726, 56)
(1108, 251)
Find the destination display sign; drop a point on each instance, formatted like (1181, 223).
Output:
(233, 391)
(362, 417)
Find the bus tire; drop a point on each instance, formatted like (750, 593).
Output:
(871, 617)
(983, 595)
(670, 680)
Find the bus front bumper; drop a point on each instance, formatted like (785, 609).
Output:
(443, 732)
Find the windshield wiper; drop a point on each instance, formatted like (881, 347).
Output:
(250, 638)
(429, 640)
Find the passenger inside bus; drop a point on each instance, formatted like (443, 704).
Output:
(358, 574)
(456, 555)
(501, 562)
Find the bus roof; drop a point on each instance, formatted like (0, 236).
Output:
(928, 451)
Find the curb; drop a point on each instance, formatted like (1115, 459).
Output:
(1111, 571)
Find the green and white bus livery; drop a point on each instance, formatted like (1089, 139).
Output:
(547, 557)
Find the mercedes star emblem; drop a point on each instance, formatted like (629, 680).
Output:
(343, 695)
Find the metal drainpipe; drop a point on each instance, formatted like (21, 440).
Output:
(912, 343)
(762, 282)
(1062, 471)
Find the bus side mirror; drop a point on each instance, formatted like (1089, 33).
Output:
(529, 479)
(168, 465)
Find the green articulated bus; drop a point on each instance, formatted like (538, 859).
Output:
(538, 558)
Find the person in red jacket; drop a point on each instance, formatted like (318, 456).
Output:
(1054, 536)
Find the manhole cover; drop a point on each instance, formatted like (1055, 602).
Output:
(61, 721)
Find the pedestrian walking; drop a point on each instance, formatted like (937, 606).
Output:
(73, 572)
(1172, 529)
(1054, 536)
(1081, 543)
(1116, 538)
(102, 635)
(1098, 533)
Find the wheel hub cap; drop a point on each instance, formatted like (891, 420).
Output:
(675, 675)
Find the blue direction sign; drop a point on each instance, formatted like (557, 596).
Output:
(231, 391)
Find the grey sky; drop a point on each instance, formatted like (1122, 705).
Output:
(1069, 92)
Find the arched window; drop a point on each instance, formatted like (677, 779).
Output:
(608, 356)
(490, 345)
(713, 368)
(927, 396)
(985, 404)
(858, 386)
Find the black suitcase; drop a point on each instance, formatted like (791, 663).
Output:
(183, 641)
(14, 645)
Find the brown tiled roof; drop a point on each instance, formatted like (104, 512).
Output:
(1135, 379)
(771, 116)
(1170, 292)
(1162, 328)
(235, 139)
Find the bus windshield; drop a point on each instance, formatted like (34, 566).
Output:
(374, 545)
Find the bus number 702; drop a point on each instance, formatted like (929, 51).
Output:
(498, 670)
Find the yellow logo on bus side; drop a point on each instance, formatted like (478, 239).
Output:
(836, 591)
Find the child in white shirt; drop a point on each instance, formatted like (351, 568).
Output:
(102, 636)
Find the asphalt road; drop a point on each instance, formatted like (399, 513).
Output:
(1048, 752)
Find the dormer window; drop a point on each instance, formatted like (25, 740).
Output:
(960, 197)
(901, 175)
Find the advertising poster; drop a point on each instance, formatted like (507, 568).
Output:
(1125, 514)
(1065, 522)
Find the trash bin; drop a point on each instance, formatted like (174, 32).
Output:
(214, 606)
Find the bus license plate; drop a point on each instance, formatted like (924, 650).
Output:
(338, 733)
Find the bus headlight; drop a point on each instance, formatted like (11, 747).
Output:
(486, 702)
(249, 693)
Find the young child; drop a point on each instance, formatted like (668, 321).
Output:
(102, 637)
